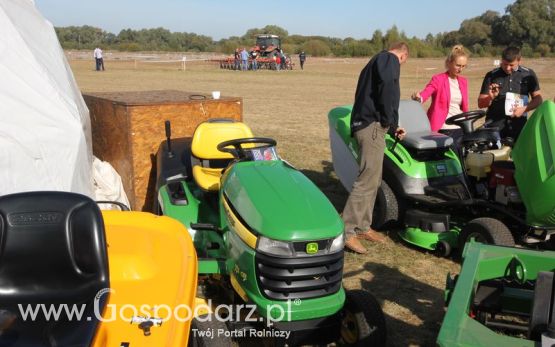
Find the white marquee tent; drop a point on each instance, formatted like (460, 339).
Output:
(44, 122)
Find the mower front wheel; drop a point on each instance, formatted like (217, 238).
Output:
(486, 230)
(363, 322)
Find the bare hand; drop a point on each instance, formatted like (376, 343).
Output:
(519, 111)
(416, 97)
(494, 90)
(400, 133)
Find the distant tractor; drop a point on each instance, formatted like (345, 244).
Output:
(267, 46)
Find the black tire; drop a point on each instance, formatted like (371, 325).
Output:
(363, 322)
(386, 208)
(216, 340)
(486, 230)
(443, 248)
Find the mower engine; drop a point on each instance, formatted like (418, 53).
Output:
(502, 183)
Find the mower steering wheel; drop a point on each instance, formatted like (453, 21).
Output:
(465, 120)
(238, 151)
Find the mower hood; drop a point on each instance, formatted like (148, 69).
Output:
(277, 201)
(534, 158)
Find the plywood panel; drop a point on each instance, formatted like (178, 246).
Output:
(129, 126)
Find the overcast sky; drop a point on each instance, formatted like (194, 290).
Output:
(222, 19)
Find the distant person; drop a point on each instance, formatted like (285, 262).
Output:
(237, 59)
(254, 58)
(283, 60)
(245, 59)
(302, 58)
(449, 92)
(98, 59)
(375, 112)
(277, 58)
(510, 81)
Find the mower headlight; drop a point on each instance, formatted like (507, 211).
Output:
(338, 243)
(275, 247)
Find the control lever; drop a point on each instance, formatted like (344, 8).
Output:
(168, 138)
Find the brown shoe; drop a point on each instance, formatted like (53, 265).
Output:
(371, 235)
(354, 245)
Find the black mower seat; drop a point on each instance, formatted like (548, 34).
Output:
(52, 252)
(419, 134)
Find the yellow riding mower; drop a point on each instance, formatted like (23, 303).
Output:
(73, 276)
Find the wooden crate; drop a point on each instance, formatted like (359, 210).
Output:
(127, 128)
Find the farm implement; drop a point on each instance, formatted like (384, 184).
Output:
(265, 236)
(445, 197)
(265, 50)
(502, 297)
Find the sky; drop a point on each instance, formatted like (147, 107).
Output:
(224, 18)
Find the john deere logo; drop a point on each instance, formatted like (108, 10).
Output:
(312, 248)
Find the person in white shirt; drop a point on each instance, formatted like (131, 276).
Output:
(98, 59)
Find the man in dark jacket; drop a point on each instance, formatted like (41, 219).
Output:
(375, 111)
(510, 77)
(302, 58)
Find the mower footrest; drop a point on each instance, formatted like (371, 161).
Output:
(433, 222)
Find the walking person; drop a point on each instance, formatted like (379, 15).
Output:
(375, 112)
(99, 60)
(302, 58)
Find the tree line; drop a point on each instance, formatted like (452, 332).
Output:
(529, 24)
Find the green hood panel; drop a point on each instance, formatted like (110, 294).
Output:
(534, 159)
(279, 202)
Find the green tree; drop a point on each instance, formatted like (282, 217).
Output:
(317, 48)
(527, 21)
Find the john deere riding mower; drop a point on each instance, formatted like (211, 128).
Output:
(444, 197)
(71, 276)
(502, 297)
(265, 236)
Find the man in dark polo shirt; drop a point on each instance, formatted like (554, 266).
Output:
(510, 77)
(374, 113)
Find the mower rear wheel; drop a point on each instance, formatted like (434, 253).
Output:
(486, 230)
(363, 322)
(386, 208)
(199, 338)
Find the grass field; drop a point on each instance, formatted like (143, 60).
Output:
(292, 106)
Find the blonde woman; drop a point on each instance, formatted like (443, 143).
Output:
(449, 92)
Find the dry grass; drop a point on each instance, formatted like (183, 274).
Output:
(292, 107)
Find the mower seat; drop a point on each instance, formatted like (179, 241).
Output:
(206, 138)
(427, 140)
(52, 252)
(419, 134)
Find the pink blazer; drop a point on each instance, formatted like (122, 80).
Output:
(438, 89)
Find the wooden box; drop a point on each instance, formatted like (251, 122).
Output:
(127, 128)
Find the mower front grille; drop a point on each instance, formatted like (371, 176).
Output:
(299, 278)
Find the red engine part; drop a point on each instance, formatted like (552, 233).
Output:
(502, 173)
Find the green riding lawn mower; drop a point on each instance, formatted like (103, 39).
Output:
(265, 236)
(445, 197)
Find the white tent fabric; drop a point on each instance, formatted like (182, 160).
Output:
(44, 122)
